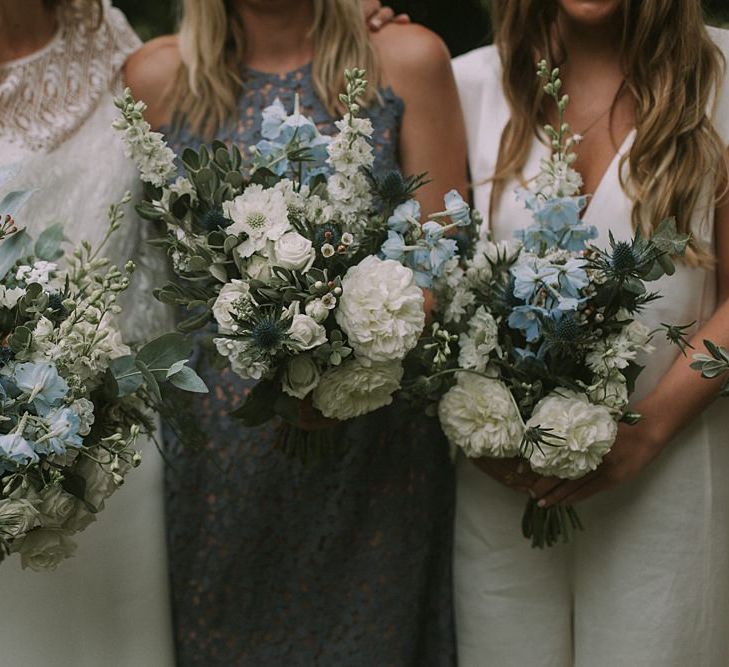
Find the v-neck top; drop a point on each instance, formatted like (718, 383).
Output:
(689, 295)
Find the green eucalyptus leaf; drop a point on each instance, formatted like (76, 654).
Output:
(14, 201)
(162, 353)
(12, 249)
(149, 379)
(127, 376)
(48, 245)
(188, 380)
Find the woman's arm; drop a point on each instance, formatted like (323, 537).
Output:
(680, 396)
(416, 64)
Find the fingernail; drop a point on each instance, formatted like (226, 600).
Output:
(542, 503)
(376, 24)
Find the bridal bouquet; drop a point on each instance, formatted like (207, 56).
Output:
(74, 398)
(313, 282)
(538, 346)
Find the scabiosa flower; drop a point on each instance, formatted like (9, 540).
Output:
(261, 214)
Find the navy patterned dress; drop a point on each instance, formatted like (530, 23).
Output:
(345, 562)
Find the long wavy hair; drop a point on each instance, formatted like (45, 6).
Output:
(212, 48)
(673, 72)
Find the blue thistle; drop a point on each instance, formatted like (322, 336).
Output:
(214, 219)
(624, 258)
(268, 334)
(567, 329)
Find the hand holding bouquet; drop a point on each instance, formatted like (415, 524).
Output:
(547, 335)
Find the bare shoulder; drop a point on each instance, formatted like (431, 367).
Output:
(407, 51)
(150, 71)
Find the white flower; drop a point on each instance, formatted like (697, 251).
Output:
(257, 268)
(39, 273)
(317, 310)
(480, 340)
(461, 299)
(261, 214)
(59, 509)
(347, 239)
(329, 301)
(588, 432)
(244, 361)
(381, 309)
(300, 377)
(306, 332)
(18, 516)
(294, 251)
(617, 351)
(327, 250)
(340, 187)
(84, 409)
(224, 308)
(9, 297)
(610, 390)
(478, 415)
(354, 388)
(45, 549)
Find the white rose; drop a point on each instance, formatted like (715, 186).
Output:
(588, 432)
(306, 332)
(300, 377)
(18, 516)
(258, 268)
(45, 549)
(381, 309)
(99, 483)
(481, 339)
(224, 307)
(293, 251)
(62, 510)
(354, 388)
(317, 310)
(478, 415)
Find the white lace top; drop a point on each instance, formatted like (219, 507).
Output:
(56, 110)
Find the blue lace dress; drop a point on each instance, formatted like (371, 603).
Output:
(346, 562)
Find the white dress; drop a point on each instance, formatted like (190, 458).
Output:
(109, 604)
(647, 583)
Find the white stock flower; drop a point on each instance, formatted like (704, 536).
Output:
(355, 389)
(243, 359)
(300, 377)
(479, 341)
(588, 432)
(610, 390)
(84, 410)
(39, 273)
(461, 299)
(294, 251)
(478, 415)
(317, 310)
(306, 332)
(381, 309)
(224, 308)
(45, 549)
(9, 296)
(261, 214)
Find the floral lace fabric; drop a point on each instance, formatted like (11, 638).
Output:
(345, 561)
(69, 76)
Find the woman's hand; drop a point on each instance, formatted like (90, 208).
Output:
(310, 419)
(635, 447)
(377, 16)
(514, 473)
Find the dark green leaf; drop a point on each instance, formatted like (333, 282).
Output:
(188, 380)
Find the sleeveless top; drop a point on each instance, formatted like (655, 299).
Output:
(345, 561)
(110, 603)
(689, 295)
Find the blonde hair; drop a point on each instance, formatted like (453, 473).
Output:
(212, 48)
(672, 70)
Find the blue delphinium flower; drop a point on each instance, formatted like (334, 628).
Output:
(15, 450)
(530, 274)
(528, 320)
(574, 239)
(403, 216)
(572, 277)
(533, 238)
(442, 249)
(42, 381)
(274, 117)
(419, 262)
(394, 247)
(63, 425)
(457, 209)
(559, 213)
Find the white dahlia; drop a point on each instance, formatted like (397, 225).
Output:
(588, 432)
(479, 416)
(354, 389)
(381, 309)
